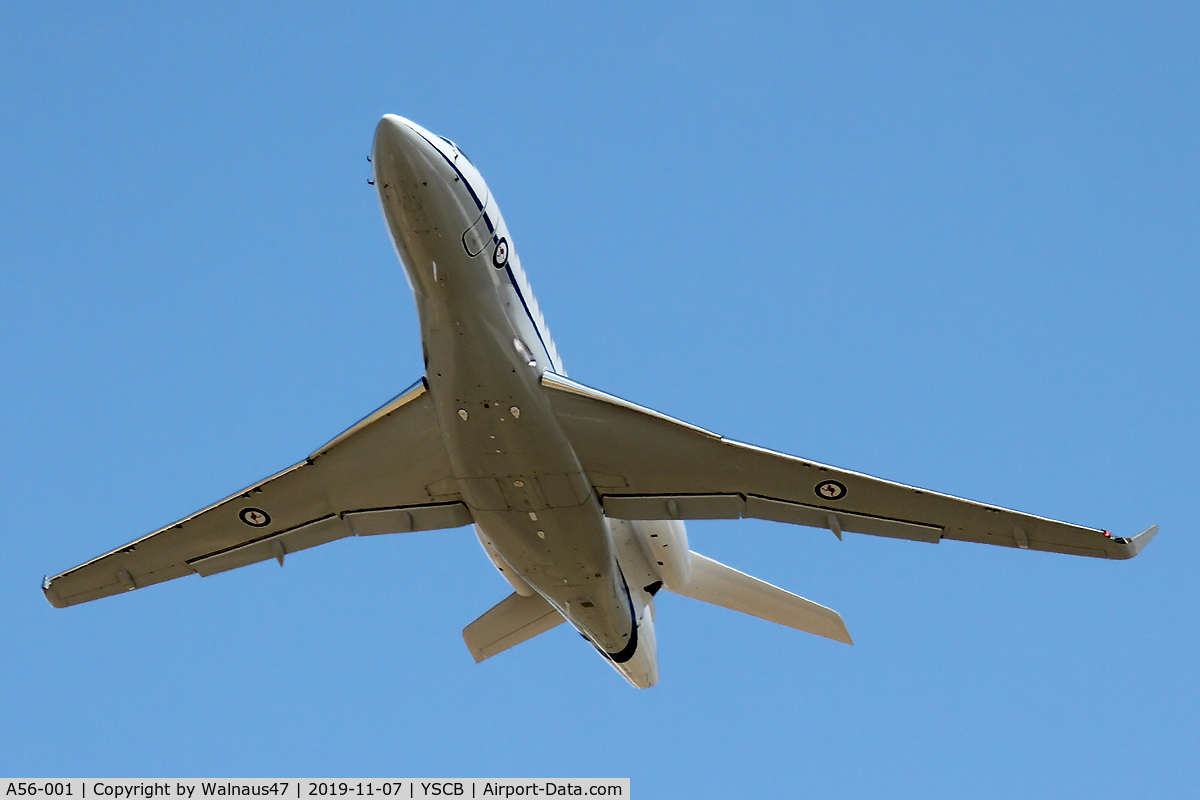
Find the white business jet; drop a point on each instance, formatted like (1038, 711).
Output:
(577, 497)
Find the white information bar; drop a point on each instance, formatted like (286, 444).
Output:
(308, 788)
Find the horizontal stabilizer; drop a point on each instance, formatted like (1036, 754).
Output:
(508, 623)
(715, 583)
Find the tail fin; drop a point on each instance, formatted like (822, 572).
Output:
(713, 582)
(508, 623)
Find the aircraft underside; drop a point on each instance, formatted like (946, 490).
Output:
(576, 496)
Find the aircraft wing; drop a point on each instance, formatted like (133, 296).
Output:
(646, 465)
(387, 474)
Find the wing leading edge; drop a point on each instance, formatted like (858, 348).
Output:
(646, 465)
(387, 474)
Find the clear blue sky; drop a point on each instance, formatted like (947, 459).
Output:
(954, 245)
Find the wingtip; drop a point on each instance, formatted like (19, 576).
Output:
(52, 595)
(837, 630)
(1142, 539)
(1131, 547)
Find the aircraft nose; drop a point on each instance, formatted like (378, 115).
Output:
(422, 190)
(406, 155)
(396, 136)
(404, 161)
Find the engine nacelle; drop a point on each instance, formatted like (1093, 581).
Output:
(643, 580)
(641, 577)
(665, 544)
(514, 580)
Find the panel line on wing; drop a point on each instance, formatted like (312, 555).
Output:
(752, 506)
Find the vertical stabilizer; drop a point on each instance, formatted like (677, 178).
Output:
(713, 582)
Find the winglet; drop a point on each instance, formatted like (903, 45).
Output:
(1135, 545)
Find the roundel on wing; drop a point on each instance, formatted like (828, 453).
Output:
(255, 517)
(831, 490)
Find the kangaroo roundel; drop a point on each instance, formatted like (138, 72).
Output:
(831, 490)
(500, 254)
(255, 517)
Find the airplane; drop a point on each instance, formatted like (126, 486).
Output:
(579, 498)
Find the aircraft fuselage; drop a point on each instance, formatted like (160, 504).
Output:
(486, 348)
